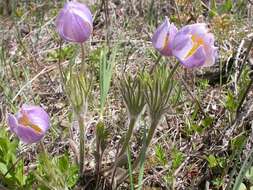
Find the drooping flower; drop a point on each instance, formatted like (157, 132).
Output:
(30, 123)
(74, 22)
(163, 37)
(194, 46)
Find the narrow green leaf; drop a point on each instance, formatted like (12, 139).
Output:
(130, 168)
(142, 161)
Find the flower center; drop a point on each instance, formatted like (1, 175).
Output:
(24, 120)
(197, 41)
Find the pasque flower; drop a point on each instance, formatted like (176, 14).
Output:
(194, 46)
(30, 123)
(74, 22)
(163, 37)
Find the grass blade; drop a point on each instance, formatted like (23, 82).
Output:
(130, 169)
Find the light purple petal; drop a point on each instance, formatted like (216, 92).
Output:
(160, 34)
(74, 22)
(198, 28)
(30, 123)
(208, 39)
(194, 46)
(210, 49)
(172, 33)
(196, 60)
(81, 10)
(28, 135)
(182, 44)
(73, 29)
(211, 56)
(37, 116)
(12, 122)
(163, 37)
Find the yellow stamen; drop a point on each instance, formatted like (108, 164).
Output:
(197, 41)
(165, 42)
(24, 120)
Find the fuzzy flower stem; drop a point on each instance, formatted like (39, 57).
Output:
(143, 149)
(156, 63)
(81, 148)
(193, 98)
(80, 119)
(60, 67)
(62, 75)
(83, 66)
(148, 141)
(128, 134)
(120, 156)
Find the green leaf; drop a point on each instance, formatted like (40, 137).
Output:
(19, 173)
(63, 163)
(231, 103)
(249, 175)
(213, 8)
(177, 158)
(132, 92)
(218, 182)
(227, 6)
(101, 136)
(56, 173)
(3, 168)
(207, 122)
(130, 168)
(67, 52)
(212, 161)
(78, 87)
(242, 187)
(161, 155)
(238, 142)
(142, 161)
(107, 63)
(197, 128)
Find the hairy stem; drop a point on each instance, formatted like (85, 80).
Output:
(148, 141)
(107, 21)
(120, 157)
(83, 66)
(81, 148)
(193, 98)
(143, 149)
(128, 135)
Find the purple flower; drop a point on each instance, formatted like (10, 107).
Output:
(194, 46)
(74, 22)
(30, 123)
(163, 37)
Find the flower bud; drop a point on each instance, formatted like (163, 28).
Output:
(163, 37)
(74, 22)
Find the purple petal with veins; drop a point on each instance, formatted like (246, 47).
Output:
(74, 22)
(30, 123)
